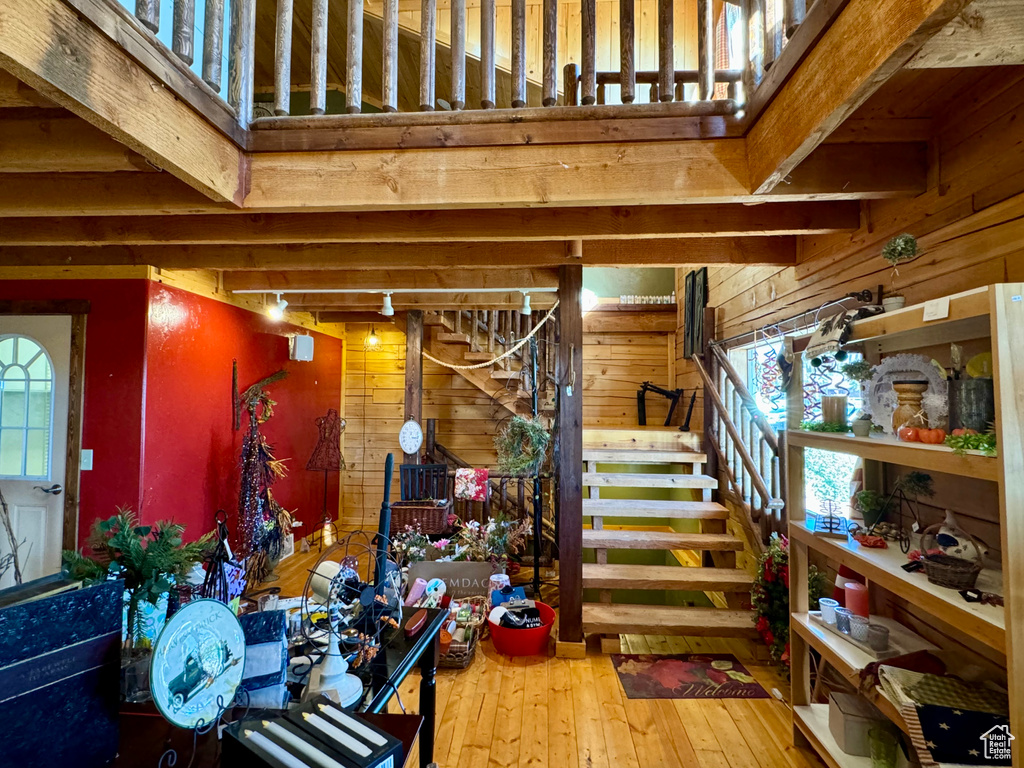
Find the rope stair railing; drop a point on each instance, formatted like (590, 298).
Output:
(748, 449)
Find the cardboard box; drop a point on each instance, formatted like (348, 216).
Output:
(460, 579)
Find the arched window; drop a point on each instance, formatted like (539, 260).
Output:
(26, 409)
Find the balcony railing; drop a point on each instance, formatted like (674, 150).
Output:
(460, 43)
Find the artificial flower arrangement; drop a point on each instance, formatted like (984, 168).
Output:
(770, 596)
(493, 541)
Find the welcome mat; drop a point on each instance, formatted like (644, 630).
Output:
(686, 676)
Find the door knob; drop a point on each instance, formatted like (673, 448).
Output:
(54, 489)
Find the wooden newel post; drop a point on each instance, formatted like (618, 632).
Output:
(414, 372)
(570, 457)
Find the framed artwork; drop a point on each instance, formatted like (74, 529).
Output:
(695, 299)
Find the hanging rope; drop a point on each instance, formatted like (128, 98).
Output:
(498, 359)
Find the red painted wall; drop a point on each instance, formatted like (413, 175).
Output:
(157, 401)
(115, 349)
(191, 453)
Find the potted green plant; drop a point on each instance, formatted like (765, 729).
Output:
(861, 372)
(872, 506)
(898, 250)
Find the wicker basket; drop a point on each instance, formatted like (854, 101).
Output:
(429, 516)
(460, 655)
(945, 570)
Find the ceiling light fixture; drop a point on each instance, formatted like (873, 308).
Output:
(526, 308)
(386, 309)
(276, 311)
(372, 342)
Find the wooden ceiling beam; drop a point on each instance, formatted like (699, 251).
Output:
(753, 251)
(364, 316)
(93, 76)
(15, 94)
(390, 279)
(873, 39)
(861, 170)
(644, 173)
(480, 225)
(63, 145)
(119, 193)
(988, 33)
(326, 302)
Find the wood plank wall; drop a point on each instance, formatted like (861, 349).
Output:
(970, 225)
(614, 366)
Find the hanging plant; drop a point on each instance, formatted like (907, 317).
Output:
(521, 446)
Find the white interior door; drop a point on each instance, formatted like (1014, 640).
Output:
(35, 360)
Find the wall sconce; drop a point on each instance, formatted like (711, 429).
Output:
(372, 342)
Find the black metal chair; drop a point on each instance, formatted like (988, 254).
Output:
(424, 481)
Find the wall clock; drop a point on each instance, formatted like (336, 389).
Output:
(410, 437)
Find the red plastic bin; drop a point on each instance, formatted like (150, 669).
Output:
(524, 642)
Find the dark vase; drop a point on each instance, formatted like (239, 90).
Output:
(972, 404)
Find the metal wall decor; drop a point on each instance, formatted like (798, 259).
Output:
(695, 299)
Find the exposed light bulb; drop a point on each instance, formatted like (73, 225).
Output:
(588, 300)
(372, 342)
(386, 309)
(526, 309)
(276, 311)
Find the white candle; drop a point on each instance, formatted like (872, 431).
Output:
(353, 725)
(337, 734)
(306, 749)
(270, 749)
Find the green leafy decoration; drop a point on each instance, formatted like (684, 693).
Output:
(824, 426)
(961, 444)
(521, 446)
(900, 248)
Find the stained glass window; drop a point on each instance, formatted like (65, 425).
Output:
(26, 409)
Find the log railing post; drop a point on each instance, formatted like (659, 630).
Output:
(213, 42)
(666, 51)
(148, 12)
(458, 43)
(705, 51)
(283, 58)
(183, 30)
(354, 59)
(570, 455)
(744, 52)
(627, 64)
(414, 372)
(550, 47)
(389, 83)
(795, 12)
(569, 81)
(318, 59)
(588, 20)
(487, 26)
(241, 63)
(773, 31)
(518, 53)
(428, 50)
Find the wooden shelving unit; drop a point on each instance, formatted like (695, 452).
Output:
(997, 313)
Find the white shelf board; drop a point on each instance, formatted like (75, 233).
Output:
(812, 719)
(986, 623)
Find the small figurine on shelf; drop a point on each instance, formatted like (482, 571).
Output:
(829, 523)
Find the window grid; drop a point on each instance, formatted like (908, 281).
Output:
(19, 355)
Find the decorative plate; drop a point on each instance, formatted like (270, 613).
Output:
(905, 367)
(197, 663)
(410, 437)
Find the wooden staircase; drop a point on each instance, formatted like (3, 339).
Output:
(706, 557)
(468, 337)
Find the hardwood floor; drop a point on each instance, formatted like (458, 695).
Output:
(540, 712)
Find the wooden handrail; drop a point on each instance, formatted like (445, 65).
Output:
(748, 400)
(738, 443)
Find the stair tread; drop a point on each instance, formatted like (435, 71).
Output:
(453, 338)
(502, 374)
(642, 480)
(479, 356)
(608, 538)
(643, 438)
(630, 456)
(631, 576)
(699, 510)
(615, 618)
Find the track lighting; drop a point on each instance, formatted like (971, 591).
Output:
(387, 310)
(276, 311)
(526, 309)
(372, 341)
